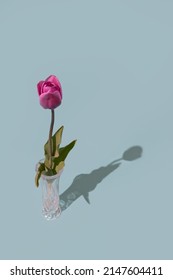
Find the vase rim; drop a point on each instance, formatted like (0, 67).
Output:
(53, 176)
(49, 177)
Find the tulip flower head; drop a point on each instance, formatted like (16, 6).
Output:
(50, 92)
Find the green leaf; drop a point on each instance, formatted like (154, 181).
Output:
(63, 152)
(41, 168)
(59, 166)
(56, 141)
(47, 162)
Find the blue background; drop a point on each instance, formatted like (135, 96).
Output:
(114, 60)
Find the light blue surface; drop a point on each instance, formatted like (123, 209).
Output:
(115, 62)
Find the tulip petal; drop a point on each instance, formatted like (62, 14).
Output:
(39, 87)
(53, 79)
(50, 100)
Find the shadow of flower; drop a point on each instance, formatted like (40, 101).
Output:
(85, 183)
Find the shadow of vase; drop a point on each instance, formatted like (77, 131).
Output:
(83, 184)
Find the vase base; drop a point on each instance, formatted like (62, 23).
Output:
(51, 215)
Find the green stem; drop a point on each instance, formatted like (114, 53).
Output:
(50, 137)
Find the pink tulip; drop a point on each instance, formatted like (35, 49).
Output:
(50, 92)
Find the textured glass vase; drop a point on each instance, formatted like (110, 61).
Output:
(50, 196)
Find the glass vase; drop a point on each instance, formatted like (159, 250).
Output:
(50, 196)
